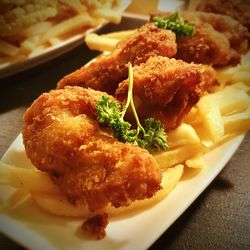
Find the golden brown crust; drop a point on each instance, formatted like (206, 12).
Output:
(237, 9)
(107, 72)
(168, 88)
(91, 167)
(218, 39)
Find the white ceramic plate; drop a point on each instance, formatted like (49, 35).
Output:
(35, 229)
(51, 52)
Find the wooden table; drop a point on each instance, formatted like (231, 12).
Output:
(218, 219)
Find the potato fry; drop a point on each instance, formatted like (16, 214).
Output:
(17, 198)
(8, 49)
(230, 100)
(176, 156)
(119, 35)
(183, 135)
(237, 122)
(196, 162)
(37, 29)
(59, 205)
(68, 25)
(29, 179)
(241, 76)
(108, 14)
(96, 42)
(211, 117)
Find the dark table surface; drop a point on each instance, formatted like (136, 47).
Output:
(220, 216)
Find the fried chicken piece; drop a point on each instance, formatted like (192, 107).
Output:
(166, 89)
(218, 39)
(237, 9)
(62, 137)
(107, 72)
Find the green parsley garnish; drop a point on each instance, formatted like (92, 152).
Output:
(175, 23)
(111, 114)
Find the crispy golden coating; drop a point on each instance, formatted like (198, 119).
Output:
(166, 89)
(218, 40)
(107, 72)
(62, 137)
(237, 9)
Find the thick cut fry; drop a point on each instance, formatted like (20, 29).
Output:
(8, 49)
(211, 117)
(182, 135)
(241, 76)
(17, 198)
(29, 179)
(96, 42)
(237, 122)
(108, 14)
(120, 35)
(230, 100)
(59, 205)
(69, 25)
(37, 29)
(177, 156)
(196, 162)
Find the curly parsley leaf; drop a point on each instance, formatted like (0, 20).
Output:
(175, 23)
(111, 114)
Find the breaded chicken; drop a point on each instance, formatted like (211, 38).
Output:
(218, 39)
(237, 9)
(107, 72)
(166, 89)
(62, 137)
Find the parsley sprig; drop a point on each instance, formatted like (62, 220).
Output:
(175, 23)
(111, 113)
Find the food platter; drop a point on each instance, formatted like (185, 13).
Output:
(10, 68)
(35, 229)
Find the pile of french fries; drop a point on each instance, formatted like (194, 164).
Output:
(29, 27)
(218, 117)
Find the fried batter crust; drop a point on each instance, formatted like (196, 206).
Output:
(91, 167)
(167, 88)
(218, 40)
(237, 9)
(107, 72)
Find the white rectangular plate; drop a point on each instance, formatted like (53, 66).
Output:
(35, 229)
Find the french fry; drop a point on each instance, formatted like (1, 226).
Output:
(68, 25)
(211, 117)
(237, 122)
(96, 42)
(183, 135)
(59, 205)
(196, 162)
(16, 198)
(119, 35)
(230, 100)
(108, 14)
(29, 179)
(37, 29)
(241, 76)
(8, 49)
(176, 156)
